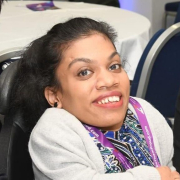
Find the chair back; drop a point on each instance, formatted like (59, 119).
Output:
(14, 136)
(157, 78)
(177, 18)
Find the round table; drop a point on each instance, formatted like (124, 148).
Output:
(20, 25)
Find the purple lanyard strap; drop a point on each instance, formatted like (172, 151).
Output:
(147, 134)
(104, 141)
(146, 130)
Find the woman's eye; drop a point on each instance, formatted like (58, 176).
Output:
(114, 67)
(85, 72)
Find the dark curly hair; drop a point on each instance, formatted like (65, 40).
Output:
(37, 67)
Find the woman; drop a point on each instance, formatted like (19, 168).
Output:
(91, 131)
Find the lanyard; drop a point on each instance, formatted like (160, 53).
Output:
(146, 130)
(147, 134)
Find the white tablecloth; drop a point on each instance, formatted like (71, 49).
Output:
(19, 26)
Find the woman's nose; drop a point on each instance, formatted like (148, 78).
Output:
(106, 79)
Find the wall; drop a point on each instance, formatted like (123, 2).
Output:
(152, 9)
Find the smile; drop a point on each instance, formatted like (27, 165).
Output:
(110, 99)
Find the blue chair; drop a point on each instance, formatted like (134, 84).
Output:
(157, 77)
(172, 9)
(177, 19)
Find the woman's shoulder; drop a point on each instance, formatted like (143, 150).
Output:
(156, 120)
(149, 109)
(143, 102)
(56, 116)
(56, 121)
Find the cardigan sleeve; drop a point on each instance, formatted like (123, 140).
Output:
(61, 149)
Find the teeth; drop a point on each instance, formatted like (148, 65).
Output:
(114, 98)
(109, 99)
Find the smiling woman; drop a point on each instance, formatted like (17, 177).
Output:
(91, 71)
(93, 129)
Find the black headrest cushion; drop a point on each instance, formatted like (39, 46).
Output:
(6, 79)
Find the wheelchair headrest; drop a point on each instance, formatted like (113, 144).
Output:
(6, 79)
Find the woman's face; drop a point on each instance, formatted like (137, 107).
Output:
(95, 88)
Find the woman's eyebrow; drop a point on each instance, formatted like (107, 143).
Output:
(86, 60)
(113, 54)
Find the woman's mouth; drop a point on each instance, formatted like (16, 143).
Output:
(110, 99)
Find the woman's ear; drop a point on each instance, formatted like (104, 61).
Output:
(52, 97)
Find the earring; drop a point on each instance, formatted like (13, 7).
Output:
(55, 104)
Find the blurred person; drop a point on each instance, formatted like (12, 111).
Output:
(176, 131)
(1, 2)
(114, 3)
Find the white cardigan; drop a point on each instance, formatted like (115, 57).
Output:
(61, 148)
